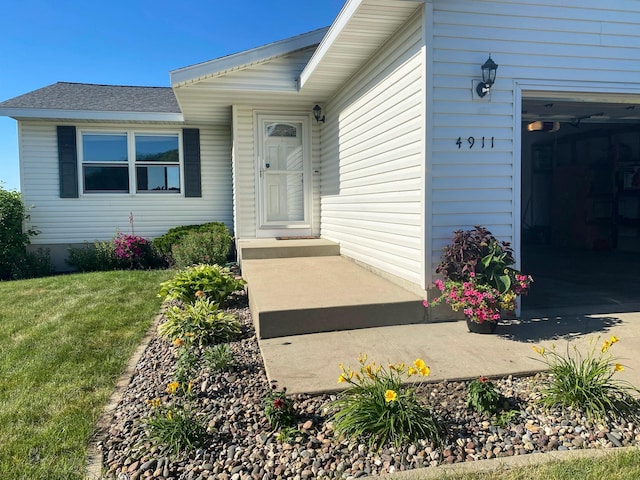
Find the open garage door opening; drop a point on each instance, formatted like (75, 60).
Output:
(580, 210)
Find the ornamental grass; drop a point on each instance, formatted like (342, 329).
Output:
(586, 382)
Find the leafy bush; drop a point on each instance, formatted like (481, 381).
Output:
(13, 240)
(278, 408)
(483, 396)
(586, 382)
(122, 252)
(376, 407)
(96, 257)
(202, 322)
(202, 247)
(214, 282)
(174, 428)
(186, 364)
(174, 236)
(33, 265)
(476, 252)
(219, 357)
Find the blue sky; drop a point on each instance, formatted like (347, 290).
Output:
(133, 42)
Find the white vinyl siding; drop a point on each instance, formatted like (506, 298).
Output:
(584, 45)
(100, 216)
(373, 161)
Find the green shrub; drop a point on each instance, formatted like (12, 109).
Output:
(214, 282)
(376, 407)
(586, 382)
(279, 409)
(186, 364)
(174, 236)
(218, 358)
(13, 240)
(483, 396)
(96, 257)
(201, 322)
(174, 428)
(33, 265)
(202, 247)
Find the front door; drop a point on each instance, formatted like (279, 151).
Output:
(283, 170)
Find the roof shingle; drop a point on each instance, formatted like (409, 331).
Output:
(98, 98)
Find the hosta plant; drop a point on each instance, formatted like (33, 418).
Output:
(201, 322)
(378, 408)
(585, 381)
(211, 281)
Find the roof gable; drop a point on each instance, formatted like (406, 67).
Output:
(242, 60)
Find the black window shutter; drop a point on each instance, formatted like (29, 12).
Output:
(191, 146)
(68, 161)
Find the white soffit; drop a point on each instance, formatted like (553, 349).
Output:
(360, 29)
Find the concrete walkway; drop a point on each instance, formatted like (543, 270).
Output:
(309, 363)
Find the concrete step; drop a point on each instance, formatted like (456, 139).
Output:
(294, 296)
(273, 248)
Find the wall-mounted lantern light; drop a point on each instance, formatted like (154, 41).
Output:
(488, 77)
(317, 114)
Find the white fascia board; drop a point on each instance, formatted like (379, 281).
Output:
(336, 28)
(46, 113)
(195, 73)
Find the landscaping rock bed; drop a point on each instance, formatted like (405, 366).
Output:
(242, 446)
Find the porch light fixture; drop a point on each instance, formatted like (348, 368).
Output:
(539, 126)
(488, 77)
(317, 114)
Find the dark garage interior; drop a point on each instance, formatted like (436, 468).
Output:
(580, 209)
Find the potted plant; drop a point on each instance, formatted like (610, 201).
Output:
(479, 278)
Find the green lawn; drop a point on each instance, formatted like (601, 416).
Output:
(612, 465)
(66, 340)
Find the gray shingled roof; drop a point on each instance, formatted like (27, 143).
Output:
(98, 98)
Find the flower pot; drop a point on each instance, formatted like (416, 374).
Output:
(484, 327)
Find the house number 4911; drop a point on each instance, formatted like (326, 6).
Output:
(483, 142)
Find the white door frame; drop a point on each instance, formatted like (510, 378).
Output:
(266, 229)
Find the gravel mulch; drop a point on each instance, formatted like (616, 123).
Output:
(243, 447)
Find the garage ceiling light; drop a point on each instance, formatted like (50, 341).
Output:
(543, 126)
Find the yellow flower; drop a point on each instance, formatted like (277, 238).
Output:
(425, 371)
(170, 415)
(178, 342)
(419, 363)
(618, 368)
(173, 387)
(155, 403)
(369, 371)
(605, 346)
(390, 396)
(412, 371)
(539, 350)
(342, 379)
(614, 339)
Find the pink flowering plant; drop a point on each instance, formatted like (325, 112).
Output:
(478, 276)
(133, 251)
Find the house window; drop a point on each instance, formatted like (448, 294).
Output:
(157, 163)
(105, 162)
(111, 162)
